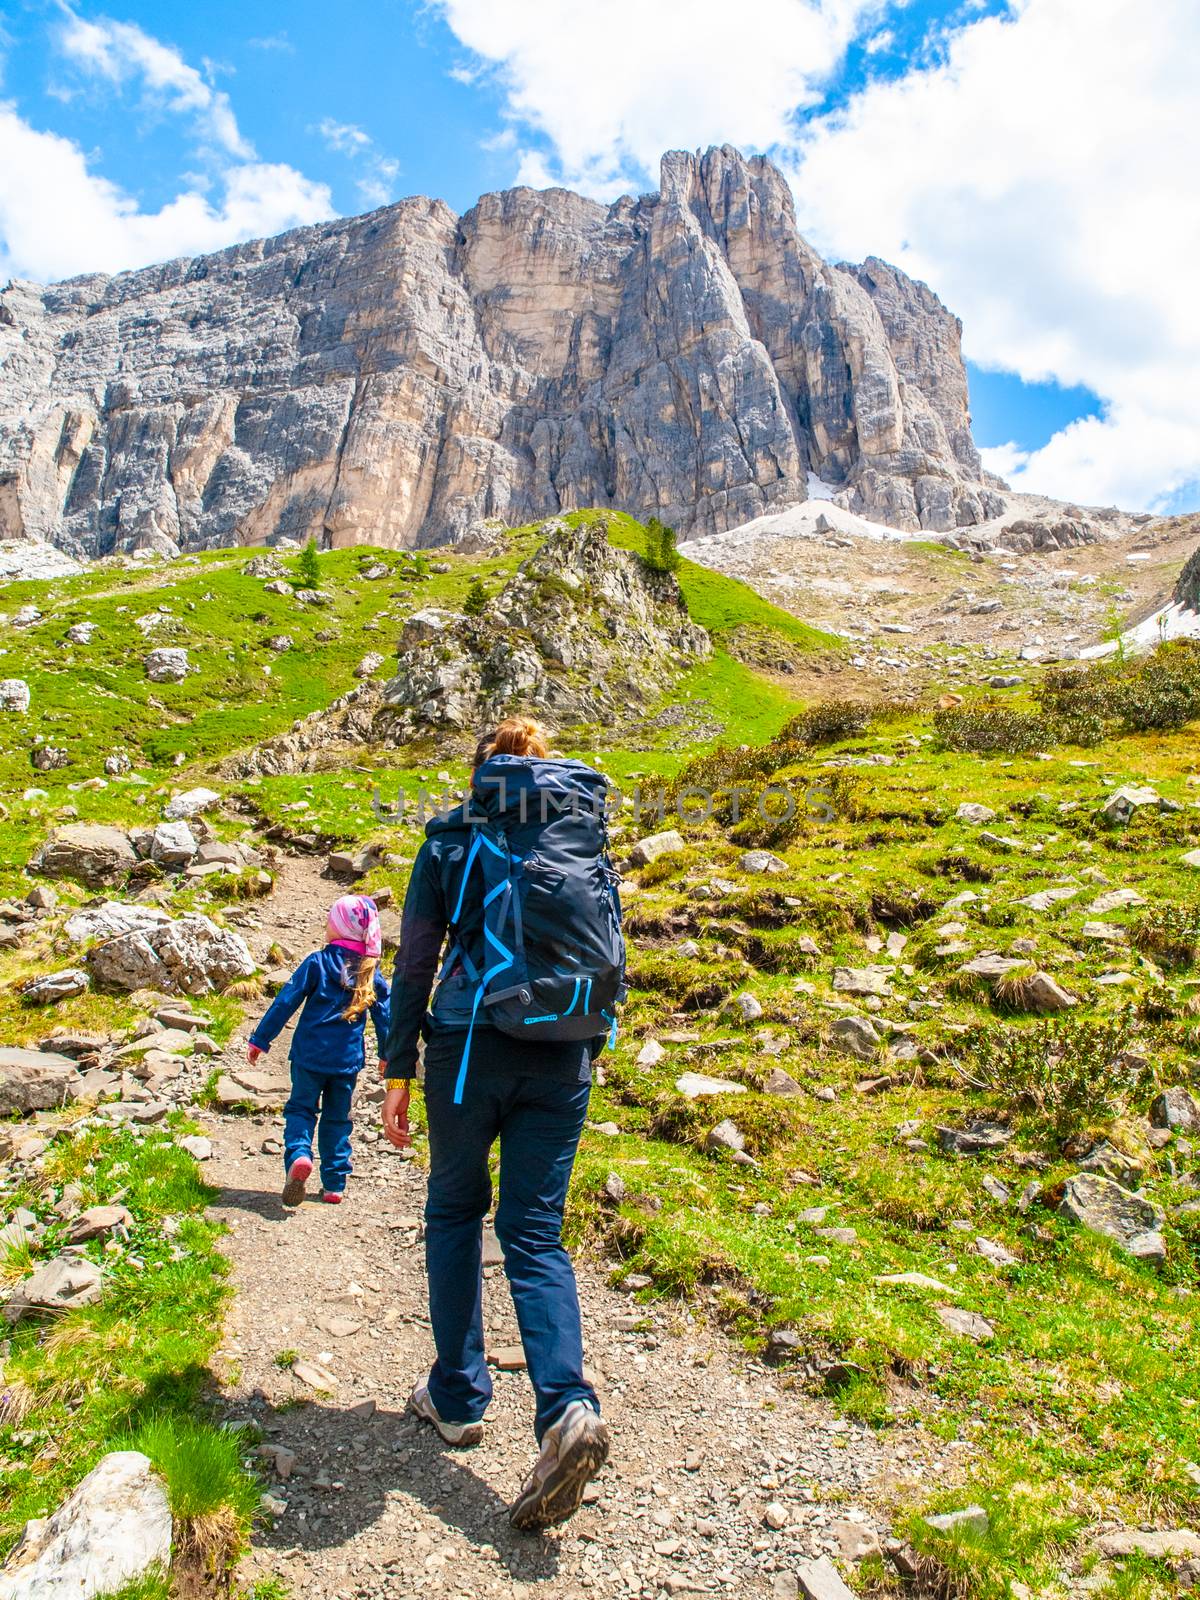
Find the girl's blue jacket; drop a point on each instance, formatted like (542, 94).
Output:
(323, 1041)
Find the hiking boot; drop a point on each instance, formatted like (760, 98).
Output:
(298, 1175)
(573, 1451)
(461, 1434)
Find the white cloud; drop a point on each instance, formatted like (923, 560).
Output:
(1038, 170)
(58, 218)
(377, 173)
(1041, 178)
(611, 86)
(274, 41)
(120, 53)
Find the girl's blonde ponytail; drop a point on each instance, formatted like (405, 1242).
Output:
(364, 990)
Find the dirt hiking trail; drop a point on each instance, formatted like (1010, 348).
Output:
(723, 1472)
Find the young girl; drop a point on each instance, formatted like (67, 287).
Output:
(337, 986)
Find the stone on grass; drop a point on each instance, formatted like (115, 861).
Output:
(1191, 858)
(749, 1006)
(862, 980)
(34, 1080)
(14, 695)
(172, 845)
(369, 665)
(1042, 993)
(974, 813)
(1104, 1207)
(967, 1323)
(762, 861)
(991, 965)
(1104, 932)
(1115, 900)
(96, 1222)
(1045, 898)
(191, 803)
(60, 1285)
(1160, 1545)
(914, 1280)
(977, 1138)
(113, 918)
(1119, 806)
(650, 1054)
(694, 1085)
(188, 956)
(1175, 1108)
(971, 1519)
(93, 853)
(167, 664)
(726, 1136)
(855, 1036)
(996, 1253)
(55, 986)
(197, 1146)
(114, 1529)
(1109, 1162)
(655, 845)
(779, 1082)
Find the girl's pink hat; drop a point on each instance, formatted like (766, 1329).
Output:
(354, 925)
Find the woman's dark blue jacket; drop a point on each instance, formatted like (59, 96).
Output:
(323, 1041)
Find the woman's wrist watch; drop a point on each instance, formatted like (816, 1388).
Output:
(396, 1083)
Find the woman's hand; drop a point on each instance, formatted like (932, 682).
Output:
(383, 1066)
(253, 1053)
(395, 1117)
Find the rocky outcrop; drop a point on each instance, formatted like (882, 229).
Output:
(1187, 588)
(583, 632)
(399, 378)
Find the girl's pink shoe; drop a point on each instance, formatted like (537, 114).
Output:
(298, 1175)
(332, 1197)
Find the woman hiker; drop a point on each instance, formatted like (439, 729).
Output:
(525, 898)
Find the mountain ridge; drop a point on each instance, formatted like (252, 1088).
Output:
(401, 377)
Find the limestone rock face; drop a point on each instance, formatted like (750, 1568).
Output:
(402, 377)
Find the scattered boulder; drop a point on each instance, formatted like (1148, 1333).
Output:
(655, 845)
(855, 1036)
(97, 1222)
(726, 1136)
(650, 1054)
(749, 1005)
(92, 852)
(167, 664)
(863, 980)
(762, 861)
(113, 918)
(967, 1323)
(14, 695)
(1109, 1162)
(779, 1082)
(970, 811)
(1045, 898)
(1175, 1108)
(1121, 804)
(1042, 993)
(190, 804)
(81, 632)
(113, 1530)
(191, 955)
(280, 643)
(1160, 1545)
(692, 1085)
(54, 986)
(991, 965)
(34, 1080)
(172, 845)
(1115, 900)
(820, 1580)
(369, 665)
(971, 1519)
(49, 758)
(1104, 1207)
(978, 1138)
(60, 1285)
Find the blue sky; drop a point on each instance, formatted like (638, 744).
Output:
(922, 131)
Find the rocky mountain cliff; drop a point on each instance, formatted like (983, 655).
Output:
(400, 377)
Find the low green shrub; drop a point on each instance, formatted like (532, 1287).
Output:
(987, 728)
(1070, 1073)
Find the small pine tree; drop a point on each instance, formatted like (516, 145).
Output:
(308, 567)
(661, 553)
(476, 600)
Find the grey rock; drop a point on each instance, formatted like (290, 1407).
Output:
(369, 665)
(54, 986)
(997, 1254)
(93, 853)
(197, 1145)
(820, 1580)
(1175, 1108)
(978, 1138)
(560, 351)
(188, 956)
(1115, 900)
(726, 1136)
(971, 1519)
(42, 897)
(967, 1323)
(113, 918)
(191, 803)
(60, 1285)
(1043, 993)
(172, 845)
(779, 1082)
(1109, 1162)
(280, 643)
(1045, 898)
(14, 695)
(1104, 1207)
(81, 632)
(750, 1007)
(657, 844)
(974, 813)
(1121, 804)
(113, 1530)
(992, 966)
(97, 1222)
(167, 664)
(34, 1080)
(762, 861)
(855, 1036)
(863, 980)
(694, 1085)
(1159, 1545)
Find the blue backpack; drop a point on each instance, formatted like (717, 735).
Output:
(544, 951)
